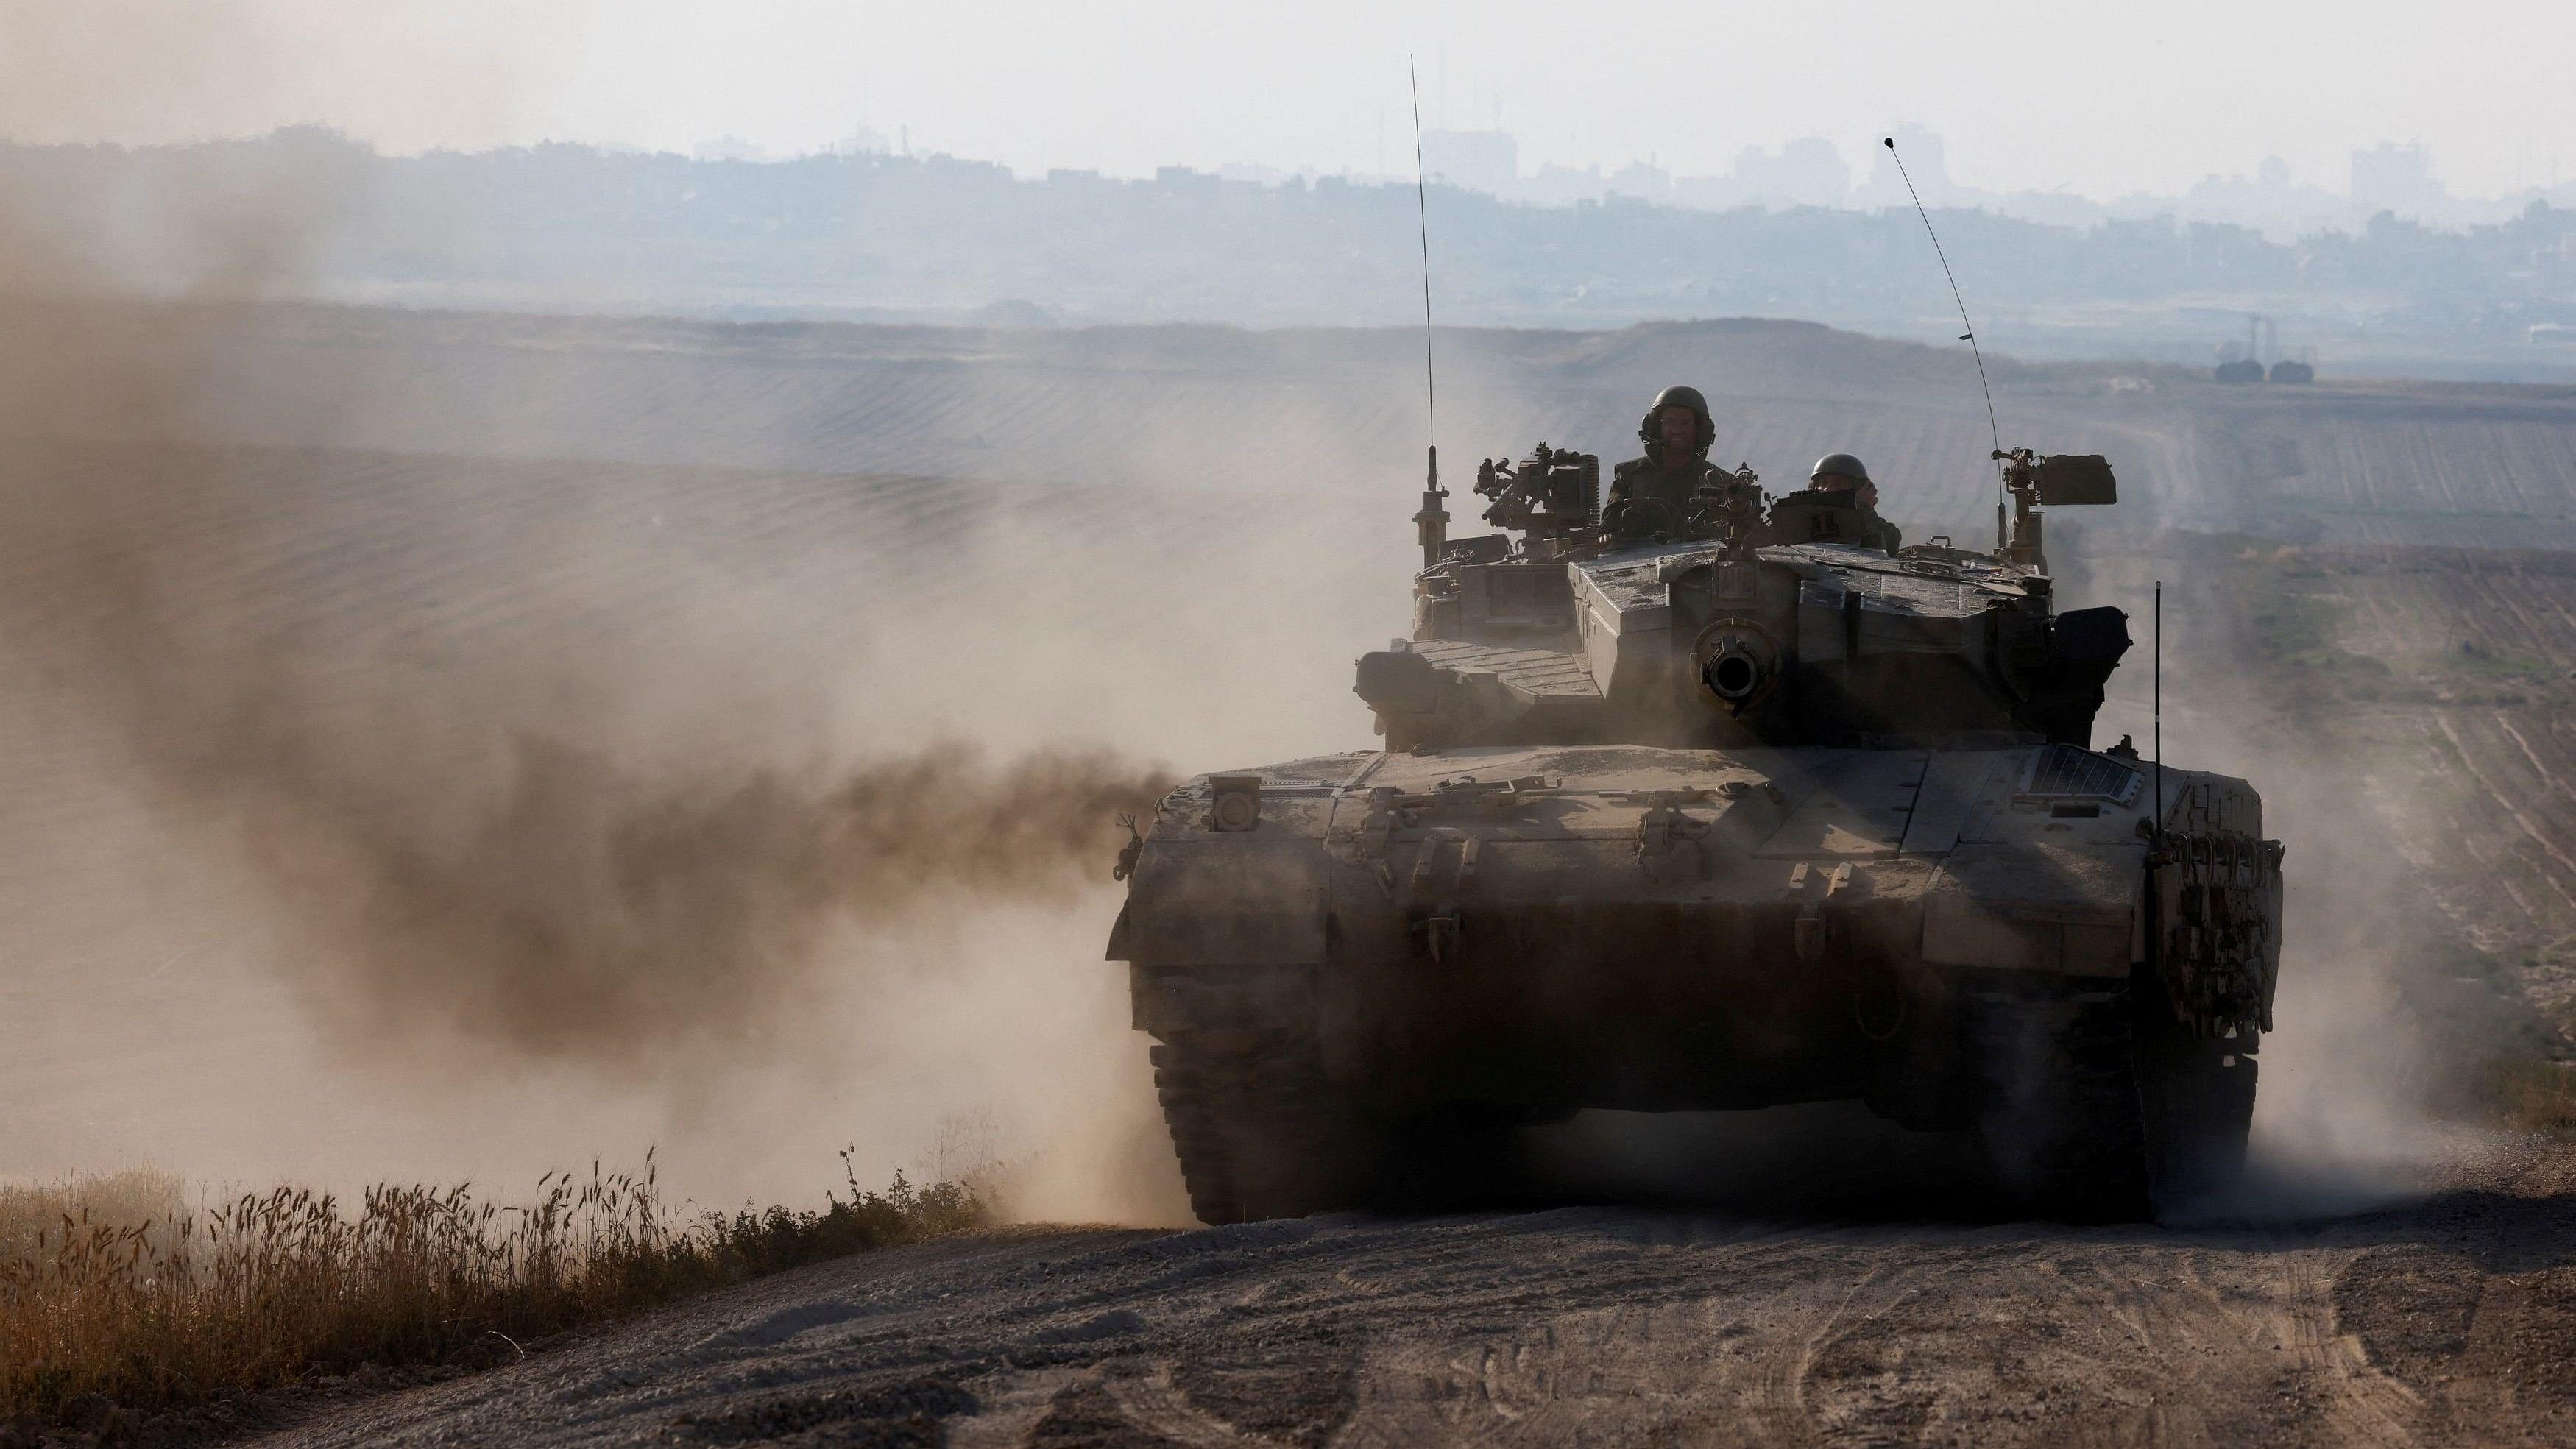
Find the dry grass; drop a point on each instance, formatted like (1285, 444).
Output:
(2535, 1095)
(32, 1217)
(119, 1304)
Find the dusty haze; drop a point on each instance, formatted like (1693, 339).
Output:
(413, 815)
(448, 808)
(524, 837)
(594, 779)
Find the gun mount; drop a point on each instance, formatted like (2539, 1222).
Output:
(1553, 493)
(2034, 481)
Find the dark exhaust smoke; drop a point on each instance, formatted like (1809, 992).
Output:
(450, 854)
(593, 912)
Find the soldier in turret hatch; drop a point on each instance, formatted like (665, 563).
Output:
(1838, 505)
(1677, 431)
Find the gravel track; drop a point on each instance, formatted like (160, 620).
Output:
(2443, 1318)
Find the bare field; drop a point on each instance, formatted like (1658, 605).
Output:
(1323, 412)
(2446, 1320)
(2439, 680)
(2383, 464)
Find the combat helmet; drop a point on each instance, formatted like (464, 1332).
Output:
(1840, 465)
(1677, 396)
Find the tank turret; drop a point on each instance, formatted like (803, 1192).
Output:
(1699, 636)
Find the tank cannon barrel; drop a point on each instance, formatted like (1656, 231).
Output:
(1733, 676)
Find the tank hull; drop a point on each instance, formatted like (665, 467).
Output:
(1505, 935)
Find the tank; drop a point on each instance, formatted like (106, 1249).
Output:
(1724, 812)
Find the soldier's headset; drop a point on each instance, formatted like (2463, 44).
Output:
(1648, 433)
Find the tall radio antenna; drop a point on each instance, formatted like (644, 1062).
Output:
(1422, 216)
(1431, 521)
(1993, 432)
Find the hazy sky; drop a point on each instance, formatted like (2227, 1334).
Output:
(2038, 94)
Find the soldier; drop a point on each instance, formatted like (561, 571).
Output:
(1839, 505)
(1677, 431)
(1843, 473)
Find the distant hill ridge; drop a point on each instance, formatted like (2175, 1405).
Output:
(893, 238)
(1297, 411)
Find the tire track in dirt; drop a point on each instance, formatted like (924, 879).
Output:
(1585, 1325)
(2530, 827)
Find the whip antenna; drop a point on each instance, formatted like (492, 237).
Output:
(1431, 522)
(1993, 432)
(1422, 216)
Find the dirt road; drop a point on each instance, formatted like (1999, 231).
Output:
(2443, 1317)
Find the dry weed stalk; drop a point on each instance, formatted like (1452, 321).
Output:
(105, 1314)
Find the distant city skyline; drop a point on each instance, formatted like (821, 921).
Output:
(2390, 177)
(2399, 178)
(2092, 104)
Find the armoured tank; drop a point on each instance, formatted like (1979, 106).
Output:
(1723, 812)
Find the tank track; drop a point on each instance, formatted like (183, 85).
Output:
(2197, 1100)
(2096, 1107)
(2059, 1112)
(1260, 1133)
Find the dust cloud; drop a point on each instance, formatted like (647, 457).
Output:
(430, 815)
(516, 844)
(2362, 1089)
(595, 913)
(454, 854)
(503, 798)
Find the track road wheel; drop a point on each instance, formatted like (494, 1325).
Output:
(1259, 1132)
(2058, 1108)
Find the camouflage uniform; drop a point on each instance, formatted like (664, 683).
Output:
(1676, 488)
(1819, 515)
(1833, 515)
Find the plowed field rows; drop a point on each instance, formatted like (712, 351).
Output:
(1207, 409)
